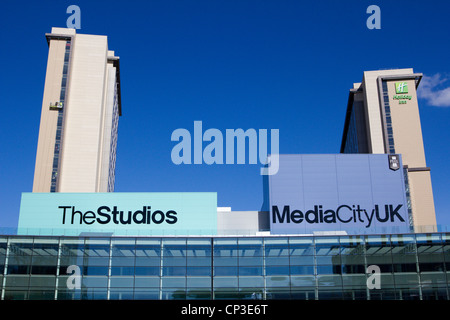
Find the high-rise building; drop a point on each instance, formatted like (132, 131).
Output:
(383, 117)
(81, 105)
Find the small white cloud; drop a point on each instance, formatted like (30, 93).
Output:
(434, 90)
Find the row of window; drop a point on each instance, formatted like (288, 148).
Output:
(387, 111)
(58, 137)
(224, 271)
(193, 294)
(119, 290)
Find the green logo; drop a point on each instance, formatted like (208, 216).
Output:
(401, 87)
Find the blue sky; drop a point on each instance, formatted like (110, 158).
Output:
(284, 65)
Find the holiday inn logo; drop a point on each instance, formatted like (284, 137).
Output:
(401, 87)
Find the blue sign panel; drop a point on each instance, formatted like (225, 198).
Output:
(118, 213)
(356, 193)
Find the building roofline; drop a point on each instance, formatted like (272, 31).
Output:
(113, 59)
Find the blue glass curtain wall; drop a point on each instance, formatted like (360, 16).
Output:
(412, 266)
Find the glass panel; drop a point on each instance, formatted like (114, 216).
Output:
(146, 294)
(18, 269)
(301, 260)
(225, 271)
(96, 250)
(147, 271)
(95, 270)
(174, 261)
(38, 269)
(175, 282)
(123, 251)
(147, 261)
(250, 261)
(98, 241)
(277, 270)
(251, 282)
(122, 271)
(277, 261)
(72, 247)
(406, 279)
(42, 294)
(144, 282)
(353, 268)
(277, 281)
(378, 245)
(122, 282)
(197, 294)
(433, 278)
(12, 294)
(434, 293)
(92, 282)
(225, 261)
(121, 294)
(301, 270)
(94, 294)
(329, 281)
(303, 281)
(250, 247)
(225, 282)
(329, 269)
(122, 261)
(173, 294)
(301, 246)
(250, 271)
(354, 280)
(174, 271)
(329, 294)
(199, 261)
(43, 281)
(352, 246)
(225, 248)
(199, 282)
(327, 246)
(16, 281)
(199, 271)
(276, 247)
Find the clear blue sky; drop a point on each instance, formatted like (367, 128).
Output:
(284, 65)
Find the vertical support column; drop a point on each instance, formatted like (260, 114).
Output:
(365, 267)
(316, 280)
(5, 270)
(58, 265)
(212, 268)
(108, 287)
(161, 268)
(264, 268)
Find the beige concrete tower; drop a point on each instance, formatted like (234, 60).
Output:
(81, 105)
(383, 117)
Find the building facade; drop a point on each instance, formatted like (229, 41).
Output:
(76, 149)
(383, 117)
(326, 221)
(410, 266)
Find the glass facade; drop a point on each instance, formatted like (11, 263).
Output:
(351, 140)
(355, 139)
(412, 266)
(113, 142)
